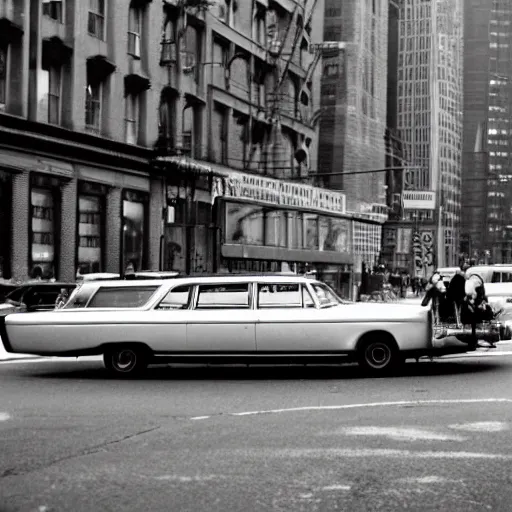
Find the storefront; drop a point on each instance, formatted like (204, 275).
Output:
(5, 224)
(269, 225)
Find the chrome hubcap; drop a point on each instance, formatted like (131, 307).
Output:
(124, 360)
(378, 355)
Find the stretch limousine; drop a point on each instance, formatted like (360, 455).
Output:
(224, 319)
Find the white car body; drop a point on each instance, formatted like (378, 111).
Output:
(235, 334)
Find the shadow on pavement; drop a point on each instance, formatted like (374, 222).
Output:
(91, 371)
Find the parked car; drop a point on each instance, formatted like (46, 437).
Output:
(35, 296)
(225, 319)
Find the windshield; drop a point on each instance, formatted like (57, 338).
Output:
(326, 295)
(16, 295)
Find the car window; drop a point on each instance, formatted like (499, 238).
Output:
(17, 294)
(122, 297)
(80, 297)
(325, 295)
(223, 296)
(41, 298)
(177, 298)
(307, 300)
(279, 295)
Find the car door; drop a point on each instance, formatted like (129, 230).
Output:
(222, 319)
(289, 322)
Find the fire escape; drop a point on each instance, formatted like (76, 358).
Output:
(279, 102)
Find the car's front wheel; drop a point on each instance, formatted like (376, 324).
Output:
(379, 356)
(125, 361)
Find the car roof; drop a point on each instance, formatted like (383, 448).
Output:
(44, 284)
(214, 278)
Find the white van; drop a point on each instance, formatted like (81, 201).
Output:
(492, 273)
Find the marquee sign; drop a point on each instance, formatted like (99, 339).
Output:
(277, 192)
(419, 200)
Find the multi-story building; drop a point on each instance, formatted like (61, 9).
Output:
(173, 134)
(78, 92)
(487, 157)
(430, 127)
(352, 153)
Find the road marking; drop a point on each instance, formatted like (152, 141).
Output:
(183, 478)
(336, 488)
(374, 452)
(400, 433)
(413, 403)
(4, 416)
(481, 426)
(200, 417)
(431, 479)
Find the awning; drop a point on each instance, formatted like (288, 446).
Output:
(135, 84)
(55, 52)
(169, 93)
(9, 31)
(98, 69)
(185, 164)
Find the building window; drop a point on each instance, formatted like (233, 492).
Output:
(53, 9)
(168, 55)
(134, 230)
(190, 55)
(43, 204)
(3, 75)
(134, 32)
(259, 26)
(167, 118)
(91, 219)
(50, 94)
(93, 107)
(131, 119)
(96, 20)
(191, 133)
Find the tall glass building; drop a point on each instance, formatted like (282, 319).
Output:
(429, 121)
(487, 184)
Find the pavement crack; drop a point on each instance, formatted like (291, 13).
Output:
(83, 453)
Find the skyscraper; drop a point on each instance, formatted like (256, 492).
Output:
(487, 180)
(353, 121)
(430, 123)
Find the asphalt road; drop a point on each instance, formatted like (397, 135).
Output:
(435, 437)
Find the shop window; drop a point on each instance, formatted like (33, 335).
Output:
(3, 76)
(50, 94)
(311, 232)
(53, 9)
(131, 119)
(44, 227)
(5, 224)
(134, 31)
(96, 18)
(91, 236)
(134, 230)
(244, 224)
(296, 230)
(93, 106)
(276, 228)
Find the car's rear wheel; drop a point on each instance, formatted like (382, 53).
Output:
(125, 361)
(379, 356)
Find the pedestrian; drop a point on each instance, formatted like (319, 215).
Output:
(62, 298)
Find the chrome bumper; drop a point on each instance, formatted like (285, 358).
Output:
(491, 332)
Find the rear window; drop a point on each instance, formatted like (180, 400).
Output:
(122, 297)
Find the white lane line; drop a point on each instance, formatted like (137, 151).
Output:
(374, 452)
(200, 417)
(399, 433)
(336, 488)
(481, 426)
(4, 416)
(414, 403)
(430, 479)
